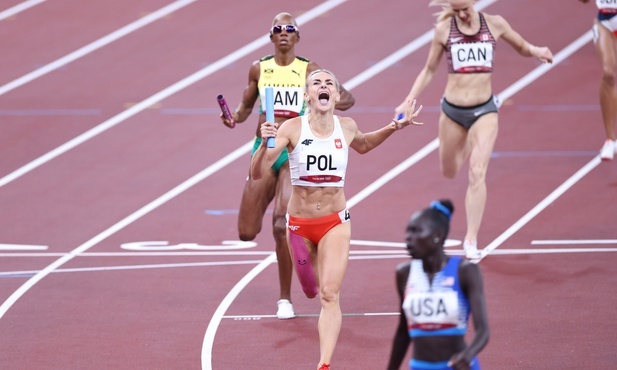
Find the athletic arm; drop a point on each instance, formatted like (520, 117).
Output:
(347, 100)
(401, 340)
(264, 157)
(424, 78)
(471, 283)
(523, 47)
(364, 143)
(249, 96)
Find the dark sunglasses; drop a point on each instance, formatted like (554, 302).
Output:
(289, 28)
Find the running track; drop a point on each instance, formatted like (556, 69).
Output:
(119, 187)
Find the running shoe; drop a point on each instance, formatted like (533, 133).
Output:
(324, 366)
(608, 150)
(471, 249)
(285, 310)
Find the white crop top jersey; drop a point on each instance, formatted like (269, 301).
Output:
(319, 162)
(607, 6)
(436, 309)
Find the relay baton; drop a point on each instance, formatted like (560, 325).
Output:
(400, 116)
(225, 109)
(270, 112)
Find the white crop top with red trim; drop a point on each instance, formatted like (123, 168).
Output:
(319, 162)
(607, 6)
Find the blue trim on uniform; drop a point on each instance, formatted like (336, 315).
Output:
(427, 365)
(442, 365)
(605, 16)
(432, 333)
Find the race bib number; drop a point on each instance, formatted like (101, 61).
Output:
(436, 310)
(607, 6)
(288, 101)
(472, 57)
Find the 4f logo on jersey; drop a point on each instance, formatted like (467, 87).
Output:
(484, 37)
(338, 143)
(307, 141)
(347, 217)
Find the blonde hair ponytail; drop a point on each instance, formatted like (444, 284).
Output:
(446, 11)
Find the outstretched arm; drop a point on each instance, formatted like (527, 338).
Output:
(522, 46)
(363, 143)
(430, 68)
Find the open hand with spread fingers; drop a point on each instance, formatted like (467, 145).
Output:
(409, 116)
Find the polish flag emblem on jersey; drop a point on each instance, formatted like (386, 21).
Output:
(338, 143)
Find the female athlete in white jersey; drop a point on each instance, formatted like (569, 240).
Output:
(468, 121)
(319, 228)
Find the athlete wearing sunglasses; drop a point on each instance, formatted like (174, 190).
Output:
(286, 73)
(289, 28)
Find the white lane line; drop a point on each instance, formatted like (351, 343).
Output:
(19, 8)
(305, 17)
(571, 241)
(105, 40)
(540, 206)
(159, 96)
(22, 247)
(358, 256)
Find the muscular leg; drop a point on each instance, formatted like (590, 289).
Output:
(452, 146)
(606, 47)
(481, 140)
(256, 197)
(332, 257)
(279, 229)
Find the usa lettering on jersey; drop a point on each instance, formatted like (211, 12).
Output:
(434, 310)
(607, 6)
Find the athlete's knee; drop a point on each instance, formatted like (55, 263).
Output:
(477, 174)
(608, 76)
(246, 234)
(329, 294)
(279, 228)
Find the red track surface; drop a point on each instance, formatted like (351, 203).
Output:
(547, 311)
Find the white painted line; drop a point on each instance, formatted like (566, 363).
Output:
(19, 8)
(105, 40)
(578, 242)
(540, 206)
(165, 93)
(215, 321)
(22, 247)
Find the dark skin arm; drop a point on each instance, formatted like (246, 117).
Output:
(471, 282)
(401, 340)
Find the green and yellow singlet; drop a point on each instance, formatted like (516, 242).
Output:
(287, 83)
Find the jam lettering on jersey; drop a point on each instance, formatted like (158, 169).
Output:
(470, 53)
(287, 83)
(607, 6)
